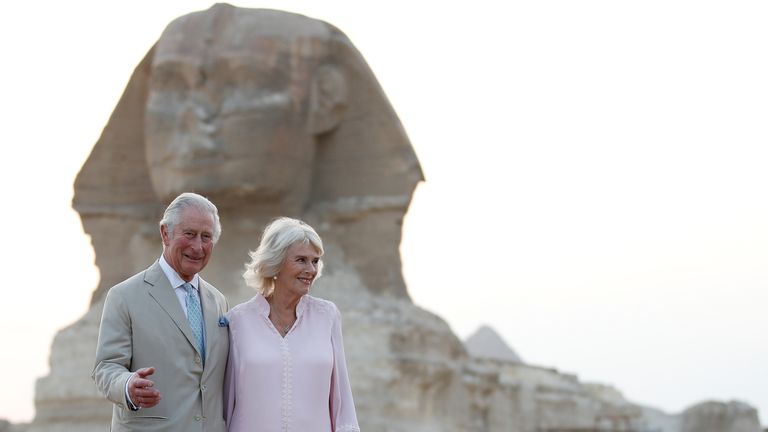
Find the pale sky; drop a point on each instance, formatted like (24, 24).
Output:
(596, 177)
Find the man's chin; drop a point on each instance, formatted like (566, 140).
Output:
(191, 270)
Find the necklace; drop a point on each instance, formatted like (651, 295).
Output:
(283, 329)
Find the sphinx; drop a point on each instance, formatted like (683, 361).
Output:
(266, 113)
(269, 114)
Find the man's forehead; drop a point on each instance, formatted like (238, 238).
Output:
(195, 217)
(194, 227)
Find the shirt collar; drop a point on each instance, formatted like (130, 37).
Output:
(173, 277)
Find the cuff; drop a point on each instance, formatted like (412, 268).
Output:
(128, 401)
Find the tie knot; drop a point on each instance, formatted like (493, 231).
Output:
(188, 287)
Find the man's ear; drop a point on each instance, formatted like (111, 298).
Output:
(328, 99)
(165, 235)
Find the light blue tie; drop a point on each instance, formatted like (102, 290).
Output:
(195, 316)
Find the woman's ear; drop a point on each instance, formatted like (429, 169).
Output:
(328, 99)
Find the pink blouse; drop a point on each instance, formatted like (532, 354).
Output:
(298, 383)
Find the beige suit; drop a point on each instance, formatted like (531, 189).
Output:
(143, 325)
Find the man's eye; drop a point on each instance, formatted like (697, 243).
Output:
(189, 234)
(316, 261)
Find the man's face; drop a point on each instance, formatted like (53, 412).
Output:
(189, 246)
(227, 118)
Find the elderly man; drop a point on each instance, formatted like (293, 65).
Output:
(163, 341)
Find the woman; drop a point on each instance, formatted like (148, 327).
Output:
(286, 368)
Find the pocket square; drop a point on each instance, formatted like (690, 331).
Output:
(223, 321)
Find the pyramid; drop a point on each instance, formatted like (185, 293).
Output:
(486, 343)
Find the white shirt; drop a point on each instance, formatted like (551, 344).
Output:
(177, 283)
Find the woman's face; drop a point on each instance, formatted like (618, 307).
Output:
(298, 271)
(226, 118)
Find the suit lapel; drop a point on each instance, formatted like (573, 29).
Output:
(210, 316)
(162, 291)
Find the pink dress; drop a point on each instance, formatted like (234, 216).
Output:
(298, 383)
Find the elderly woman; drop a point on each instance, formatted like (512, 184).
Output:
(286, 368)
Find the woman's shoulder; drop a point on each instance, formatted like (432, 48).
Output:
(321, 305)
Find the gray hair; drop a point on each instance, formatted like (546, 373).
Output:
(186, 200)
(267, 260)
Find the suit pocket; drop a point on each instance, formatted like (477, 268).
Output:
(150, 417)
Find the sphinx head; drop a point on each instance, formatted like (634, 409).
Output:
(236, 99)
(263, 112)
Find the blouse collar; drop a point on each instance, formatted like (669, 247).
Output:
(263, 305)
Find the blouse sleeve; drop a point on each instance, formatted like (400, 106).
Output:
(343, 417)
(230, 377)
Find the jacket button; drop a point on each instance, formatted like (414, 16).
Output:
(197, 359)
(197, 418)
(202, 387)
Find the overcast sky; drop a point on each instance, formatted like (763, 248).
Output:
(596, 177)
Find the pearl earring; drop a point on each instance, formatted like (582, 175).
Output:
(274, 277)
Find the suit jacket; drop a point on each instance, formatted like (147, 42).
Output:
(142, 325)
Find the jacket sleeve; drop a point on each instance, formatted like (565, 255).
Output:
(114, 349)
(230, 376)
(342, 406)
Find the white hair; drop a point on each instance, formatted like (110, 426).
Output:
(267, 260)
(186, 200)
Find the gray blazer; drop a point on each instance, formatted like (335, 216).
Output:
(144, 325)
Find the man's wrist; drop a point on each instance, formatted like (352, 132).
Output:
(128, 401)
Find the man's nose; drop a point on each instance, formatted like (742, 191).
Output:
(197, 242)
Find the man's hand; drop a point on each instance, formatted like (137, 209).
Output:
(142, 391)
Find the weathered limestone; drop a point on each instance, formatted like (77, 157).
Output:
(511, 396)
(6, 426)
(269, 113)
(719, 416)
(522, 398)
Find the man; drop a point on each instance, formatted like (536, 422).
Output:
(163, 339)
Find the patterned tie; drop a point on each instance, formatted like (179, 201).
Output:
(195, 316)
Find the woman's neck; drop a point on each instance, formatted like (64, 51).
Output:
(284, 305)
